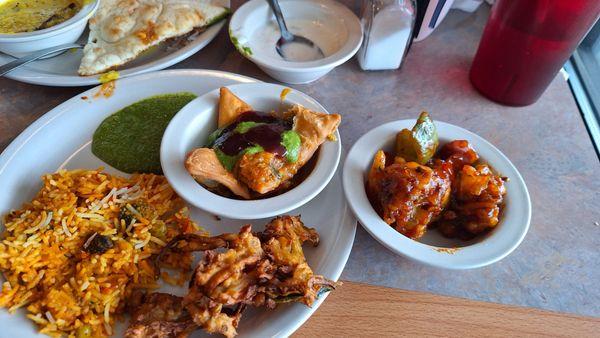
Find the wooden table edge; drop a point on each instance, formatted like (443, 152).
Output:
(357, 309)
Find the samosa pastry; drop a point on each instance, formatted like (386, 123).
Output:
(205, 167)
(230, 107)
(263, 152)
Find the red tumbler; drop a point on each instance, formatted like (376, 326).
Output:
(524, 45)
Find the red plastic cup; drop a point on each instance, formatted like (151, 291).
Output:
(524, 45)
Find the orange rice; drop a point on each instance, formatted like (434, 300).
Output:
(65, 290)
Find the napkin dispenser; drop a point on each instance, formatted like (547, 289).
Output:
(429, 15)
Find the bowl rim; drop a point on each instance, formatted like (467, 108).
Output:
(84, 14)
(182, 127)
(347, 51)
(505, 238)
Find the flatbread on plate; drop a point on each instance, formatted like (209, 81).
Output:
(122, 29)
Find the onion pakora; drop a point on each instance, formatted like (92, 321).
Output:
(237, 270)
(421, 188)
(255, 154)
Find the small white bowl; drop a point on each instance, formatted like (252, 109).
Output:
(434, 249)
(190, 129)
(22, 44)
(337, 31)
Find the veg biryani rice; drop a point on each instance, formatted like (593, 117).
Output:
(74, 254)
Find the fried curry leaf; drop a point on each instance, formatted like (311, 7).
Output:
(419, 144)
(213, 137)
(295, 297)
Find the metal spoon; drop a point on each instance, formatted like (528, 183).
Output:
(9, 67)
(288, 38)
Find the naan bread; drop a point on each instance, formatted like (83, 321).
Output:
(122, 29)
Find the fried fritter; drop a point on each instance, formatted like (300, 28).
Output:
(261, 269)
(228, 277)
(294, 279)
(213, 317)
(159, 315)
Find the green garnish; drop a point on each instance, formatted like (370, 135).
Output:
(213, 137)
(291, 141)
(243, 127)
(243, 49)
(253, 150)
(247, 50)
(129, 140)
(227, 161)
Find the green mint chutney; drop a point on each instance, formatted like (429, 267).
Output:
(129, 140)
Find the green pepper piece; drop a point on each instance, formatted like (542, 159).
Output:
(426, 137)
(405, 145)
(419, 144)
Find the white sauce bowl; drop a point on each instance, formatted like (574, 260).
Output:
(329, 24)
(21, 44)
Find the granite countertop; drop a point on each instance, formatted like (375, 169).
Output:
(555, 268)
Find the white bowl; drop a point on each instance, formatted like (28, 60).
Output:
(21, 44)
(339, 35)
(433, 249)
(190, 129)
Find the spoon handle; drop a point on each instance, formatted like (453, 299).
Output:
(285, 33)
(9, 67)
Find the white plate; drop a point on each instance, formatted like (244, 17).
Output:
(190, 129)
(432, 249)
(61, 71)
(62, 137)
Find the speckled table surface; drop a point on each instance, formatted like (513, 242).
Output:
(556, 267)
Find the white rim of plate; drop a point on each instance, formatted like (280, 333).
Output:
(355, 37)
(32, 76)
(181, 129)
(505, 238)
